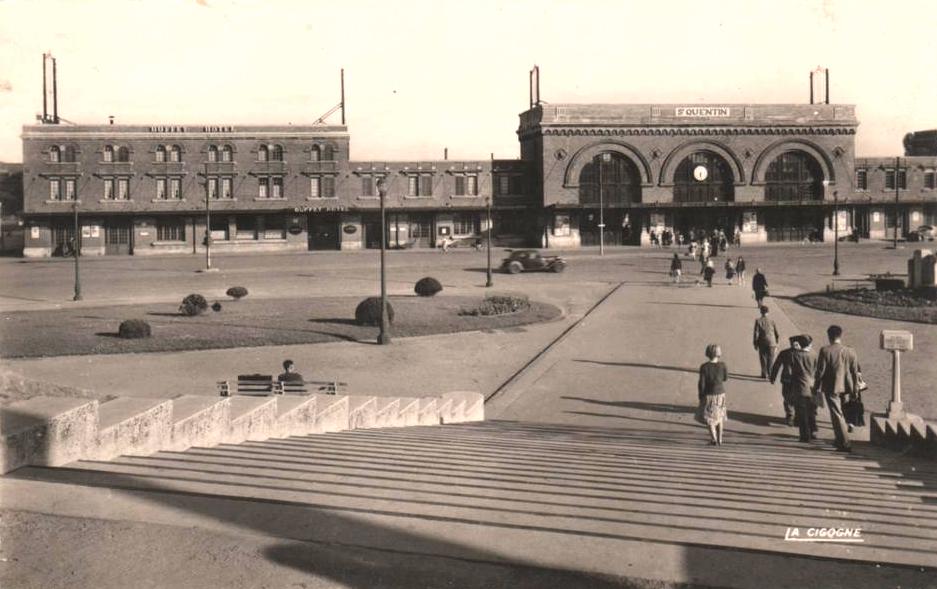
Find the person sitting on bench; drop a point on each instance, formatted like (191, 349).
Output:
(289, 373)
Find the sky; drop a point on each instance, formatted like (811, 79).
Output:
(421, 76)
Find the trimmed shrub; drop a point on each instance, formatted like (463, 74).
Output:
(498, 305)
(216, 307)
(194, 304)
(236, 292)
(427, 287)
(134, 329)
(368, 312)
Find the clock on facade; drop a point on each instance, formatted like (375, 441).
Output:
(700, 173)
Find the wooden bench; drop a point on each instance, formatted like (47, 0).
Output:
(262, 385)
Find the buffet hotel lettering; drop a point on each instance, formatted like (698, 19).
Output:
(703, 111)
(181, 129)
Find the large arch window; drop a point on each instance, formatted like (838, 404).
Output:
(276, 154)
(123, 154)
(615, 175)
(71, 154)
(794, 175)
(703, 176)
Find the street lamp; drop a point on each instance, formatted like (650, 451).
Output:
(489, 283)
(77, 252)
(384, 337)
(606, 157)
(897, 192)
(208, 225)
(836, 233)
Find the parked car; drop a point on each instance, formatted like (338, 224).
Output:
(923, 233)
(530, 261)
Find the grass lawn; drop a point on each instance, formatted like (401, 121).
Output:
(899, 305)
(248, 322)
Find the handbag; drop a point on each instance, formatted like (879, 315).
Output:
(861, 385)
(854, 411)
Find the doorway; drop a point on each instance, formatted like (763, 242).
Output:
(117, 238)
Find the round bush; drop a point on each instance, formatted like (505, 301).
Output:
(236, 292)
(134, 329)
(368, 312)
(216, 307)
(194, 304)
(427, 287)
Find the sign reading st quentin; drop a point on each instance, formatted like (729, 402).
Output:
(702, 111)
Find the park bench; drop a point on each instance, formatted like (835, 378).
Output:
(261, 385)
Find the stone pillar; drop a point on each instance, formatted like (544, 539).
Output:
(916, 267)
(928, 275)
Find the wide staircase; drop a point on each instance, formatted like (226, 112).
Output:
(563, 496)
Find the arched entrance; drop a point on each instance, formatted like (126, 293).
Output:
(608, 184)
(703, 176)
(794, 176)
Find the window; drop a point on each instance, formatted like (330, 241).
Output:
(263, 154)
(322, 187)
(170, 230)
(227, 153)
(316, 154)
(108, 188)
(277, 154)
(930, 179)
(420, 185)
(175, 188)
(464, 224)
(504, 184)
(160, 153)
(161, 188)
(262, 186)
(328, 153)
(277, 187)
(274, 227)
(212, 153)
(69, 189)
(226, 188)
(219, 228)
(123, 188)
(71, 154)
(466, 185)
(55, 154)
(211, 186)
(55, 189)
(245, 227)
(123, 154)
(792, 176)
(175, 154)
(902, 179)
(367, 186)
(108, 153)
(862, 180)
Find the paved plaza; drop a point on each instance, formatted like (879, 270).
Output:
(589, 470)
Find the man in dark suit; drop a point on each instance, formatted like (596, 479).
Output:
(803, 374)
(837, 377)
(765, 340)
(782, 365)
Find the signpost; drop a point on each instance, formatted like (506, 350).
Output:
(896, 341)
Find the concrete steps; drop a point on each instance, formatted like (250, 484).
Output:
(563, 484)
(51, 431)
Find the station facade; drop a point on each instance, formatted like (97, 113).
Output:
(774, 172)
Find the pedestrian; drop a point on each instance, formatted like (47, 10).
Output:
(730, 270)
(782, 365)
(712, 393)
(676, 268)
(708, 272)
(837, 378)
(705, 249)
(693, 248)
(653, 235)
(289, 373)
(445, 244)
(802, 383)
(740, 270)
(759, 287)
(738, 237)
(714, 245)
(765, 340)
(723, 244)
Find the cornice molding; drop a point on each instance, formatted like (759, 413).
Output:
(689, 131)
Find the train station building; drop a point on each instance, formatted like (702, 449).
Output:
(775, 172)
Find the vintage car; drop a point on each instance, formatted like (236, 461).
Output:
(532, 260)
(923, 233)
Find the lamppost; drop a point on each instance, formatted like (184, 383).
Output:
(836, 233)
(77, 252)
(207, 226)
(897, 189)
(489, 283)
(383, 337)
(606, 157)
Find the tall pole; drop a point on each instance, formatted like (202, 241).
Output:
(55, 94)
(343, 96)
(77, 252)
(489, 283)
(897, 184)
(835, 233)
(207, 228)
(45, 91)
(604, 158)
(384, 337)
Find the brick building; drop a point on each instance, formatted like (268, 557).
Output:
(774, 172)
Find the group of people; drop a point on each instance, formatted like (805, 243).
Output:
(809, 380)
(734, 271)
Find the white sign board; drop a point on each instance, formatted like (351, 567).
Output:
(893, 339)
(702, 111)
(34, 232)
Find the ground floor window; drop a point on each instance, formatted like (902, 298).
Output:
(465, 224)
(274, 227)
(219, 228)
(245, 227)
(170, 230)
